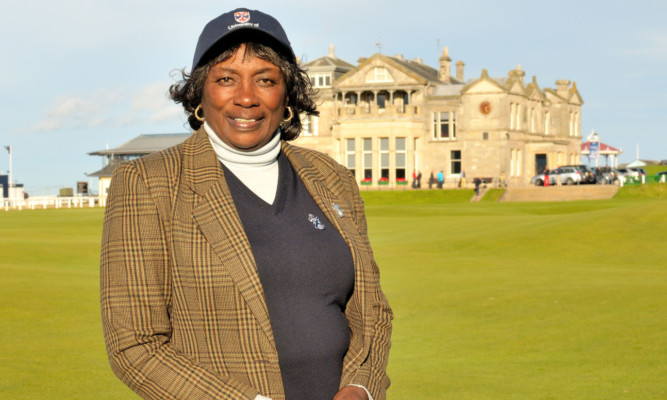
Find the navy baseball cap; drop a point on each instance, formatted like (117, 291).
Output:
(240, 23)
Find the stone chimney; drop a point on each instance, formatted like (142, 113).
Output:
(445, 66)
(563, 88)
(459, 70)
(399, 57)
(518, 73)
(332, 53)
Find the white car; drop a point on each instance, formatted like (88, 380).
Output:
(566, 175)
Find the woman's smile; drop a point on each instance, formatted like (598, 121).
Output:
(244, 100)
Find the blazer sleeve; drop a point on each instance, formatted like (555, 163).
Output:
(372, 373)
(135, 287)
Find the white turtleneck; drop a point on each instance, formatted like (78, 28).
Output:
(257, 169)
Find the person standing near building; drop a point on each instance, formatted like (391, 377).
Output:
(546, 176)
(441, 179)
(477, 183)
(236, 265)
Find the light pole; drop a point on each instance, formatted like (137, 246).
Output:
(9, 184)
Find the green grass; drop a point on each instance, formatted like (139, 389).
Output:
(493, 195)
(491, 300)
(646, 191)
(51, 343)
(654, 169)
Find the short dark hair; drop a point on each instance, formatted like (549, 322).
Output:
(299, 90)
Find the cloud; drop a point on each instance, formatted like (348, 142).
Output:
(649, 43)
(151, 97)
(107, 107)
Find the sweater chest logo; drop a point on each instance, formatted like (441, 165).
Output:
(316, 222)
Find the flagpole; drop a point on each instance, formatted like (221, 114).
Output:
(9, 184)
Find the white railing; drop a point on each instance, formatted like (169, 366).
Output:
(43, 202)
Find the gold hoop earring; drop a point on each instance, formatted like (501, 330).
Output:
(291, 115)
(200, 119)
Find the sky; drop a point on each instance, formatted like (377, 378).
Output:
(81, 75)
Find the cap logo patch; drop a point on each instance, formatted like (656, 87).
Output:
(242, 16)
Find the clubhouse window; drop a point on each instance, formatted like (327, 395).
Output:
(401, 158)
(350, 156)
(455, 157)
(444, 125)
(368, 158)
(384, 158)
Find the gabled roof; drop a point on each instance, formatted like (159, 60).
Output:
(416, 70)
(636, 164)
(533, 90)
(575, 97)
(514, 82)
(572, 95)
(145, 144)
(491, 83)
(425, 71)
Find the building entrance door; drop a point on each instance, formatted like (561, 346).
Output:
(540, 163)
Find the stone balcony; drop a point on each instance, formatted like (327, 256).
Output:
(373, 111)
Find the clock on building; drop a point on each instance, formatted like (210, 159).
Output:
(485, 107)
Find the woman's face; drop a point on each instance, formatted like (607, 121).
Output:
(244, 100)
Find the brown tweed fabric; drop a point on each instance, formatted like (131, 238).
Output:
(183, 309)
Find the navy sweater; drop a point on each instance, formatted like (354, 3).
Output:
(307, 274)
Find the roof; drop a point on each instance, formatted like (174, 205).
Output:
(107, 171)
(145, 144)
(636, 163)
(419, 68)
(327, 61)
(603, 149)
(447, 90)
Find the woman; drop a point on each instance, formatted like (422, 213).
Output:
(236, 265)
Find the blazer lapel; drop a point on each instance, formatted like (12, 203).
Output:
(312, 180)
(215, 214)
(323, 187)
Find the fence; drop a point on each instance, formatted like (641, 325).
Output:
(638, 180)
(43, 202)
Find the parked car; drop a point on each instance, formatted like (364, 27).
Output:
(587, 174)
(626, 172)
(639, 171)
(612, 177)
(567, 175)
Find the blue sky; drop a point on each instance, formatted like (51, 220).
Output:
(78, 75)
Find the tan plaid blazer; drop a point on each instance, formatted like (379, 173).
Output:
(183, 310)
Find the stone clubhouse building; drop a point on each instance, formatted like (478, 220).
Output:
(388, 117)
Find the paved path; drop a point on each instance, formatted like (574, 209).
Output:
(482, 192)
